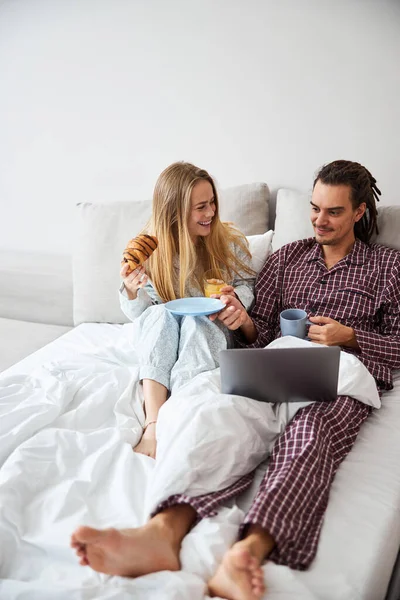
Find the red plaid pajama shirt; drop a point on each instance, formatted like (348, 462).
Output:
(361, 291)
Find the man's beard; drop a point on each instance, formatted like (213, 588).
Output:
(325, 242)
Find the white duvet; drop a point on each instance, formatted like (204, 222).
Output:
(66, 431)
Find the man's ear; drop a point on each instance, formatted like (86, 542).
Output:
(360, 211)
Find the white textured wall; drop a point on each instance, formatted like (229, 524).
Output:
(98, 96)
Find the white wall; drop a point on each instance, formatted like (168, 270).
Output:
(98, 96)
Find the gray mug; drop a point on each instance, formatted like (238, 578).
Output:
(294, 321)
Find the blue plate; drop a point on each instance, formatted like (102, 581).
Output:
(195, 307)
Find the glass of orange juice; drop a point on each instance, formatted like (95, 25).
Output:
(214, 282)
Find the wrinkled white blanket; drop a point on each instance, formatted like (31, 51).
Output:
(65, 461)
(198, 424)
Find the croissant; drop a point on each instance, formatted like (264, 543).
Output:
(139, 249)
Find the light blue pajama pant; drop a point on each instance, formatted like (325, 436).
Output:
(173, 349)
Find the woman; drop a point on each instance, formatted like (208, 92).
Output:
(191, 240)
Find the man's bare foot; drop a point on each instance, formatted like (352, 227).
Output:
(239, 576)
(127, 552)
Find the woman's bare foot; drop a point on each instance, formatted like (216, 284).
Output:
(126, 552)
(148, 443)
(239, 576)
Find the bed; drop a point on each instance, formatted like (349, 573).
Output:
(69, 414)
(65, 441)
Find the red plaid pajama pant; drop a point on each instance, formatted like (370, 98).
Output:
(293, 495)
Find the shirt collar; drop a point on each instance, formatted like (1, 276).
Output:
(359, 254)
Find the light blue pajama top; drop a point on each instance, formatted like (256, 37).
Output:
(147, 296)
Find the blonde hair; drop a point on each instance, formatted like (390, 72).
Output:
(171, 210)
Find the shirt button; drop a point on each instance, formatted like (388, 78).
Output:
(323, 281)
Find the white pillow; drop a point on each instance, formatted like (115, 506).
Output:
(389, 227)
(260, 248)
(246, 206)
(103, 230)
(292, 221)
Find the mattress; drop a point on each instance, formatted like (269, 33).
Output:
(66, 423)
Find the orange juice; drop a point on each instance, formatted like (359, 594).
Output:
(213, 286)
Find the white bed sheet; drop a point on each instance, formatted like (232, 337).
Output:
(69, 464)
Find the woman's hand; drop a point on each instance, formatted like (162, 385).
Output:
(234, 315)
(227, 290)
(148, 443)
(133, 280)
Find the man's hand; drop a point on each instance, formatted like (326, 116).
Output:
(329, 332)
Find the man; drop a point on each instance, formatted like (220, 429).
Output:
(351, 291)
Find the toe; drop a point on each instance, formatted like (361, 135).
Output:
(89, 535)
(259, 592)
(253, 563)
(258, 588)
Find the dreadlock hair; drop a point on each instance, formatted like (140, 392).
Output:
(363, 189)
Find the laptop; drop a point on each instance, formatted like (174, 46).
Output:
(281, 374)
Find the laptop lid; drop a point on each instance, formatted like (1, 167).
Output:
(281, 374)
